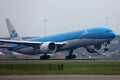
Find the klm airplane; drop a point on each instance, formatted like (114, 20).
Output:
(94, 40)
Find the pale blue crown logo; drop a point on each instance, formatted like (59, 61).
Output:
(13, 34)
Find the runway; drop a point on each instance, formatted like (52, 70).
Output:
(59, 77)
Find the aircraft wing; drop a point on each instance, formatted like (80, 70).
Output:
(27, 43)
(20, 42)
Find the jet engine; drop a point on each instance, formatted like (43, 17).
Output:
(96, 48)
(48, 47)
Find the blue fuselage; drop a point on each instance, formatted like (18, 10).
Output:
(73, 40)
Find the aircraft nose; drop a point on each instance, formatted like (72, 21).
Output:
(112, 35)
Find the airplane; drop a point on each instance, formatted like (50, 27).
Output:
(94, 39)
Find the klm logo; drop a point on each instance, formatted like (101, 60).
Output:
(13, 34)
(85, 32)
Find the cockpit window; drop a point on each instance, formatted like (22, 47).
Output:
(109, 31)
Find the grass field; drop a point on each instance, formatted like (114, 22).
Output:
(49, 67)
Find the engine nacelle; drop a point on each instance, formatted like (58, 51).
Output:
(48, 47)
(95, 48)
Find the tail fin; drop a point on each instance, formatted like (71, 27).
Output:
(12, 32)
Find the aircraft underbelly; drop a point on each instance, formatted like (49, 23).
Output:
(73, 44)
(70, 44)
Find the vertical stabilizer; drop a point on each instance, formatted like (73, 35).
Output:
(12, 32)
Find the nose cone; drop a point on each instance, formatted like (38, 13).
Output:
(112, 35)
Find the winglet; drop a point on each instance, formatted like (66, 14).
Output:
(12, 32)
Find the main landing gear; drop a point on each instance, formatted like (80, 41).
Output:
(106, 46)
(106, 49)
(70, 56)
(45, 57)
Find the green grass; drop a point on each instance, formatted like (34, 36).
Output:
(50, 67)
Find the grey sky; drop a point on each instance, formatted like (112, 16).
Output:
(62, 15)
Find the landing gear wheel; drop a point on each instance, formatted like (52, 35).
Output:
(69, 57)
(45, 57)
(106, 49)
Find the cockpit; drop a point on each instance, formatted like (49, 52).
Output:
(110, 34)
(109, 31)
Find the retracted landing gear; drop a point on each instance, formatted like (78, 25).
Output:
(45, 57)
(70, 56)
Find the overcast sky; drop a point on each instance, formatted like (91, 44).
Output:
(62, 15)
